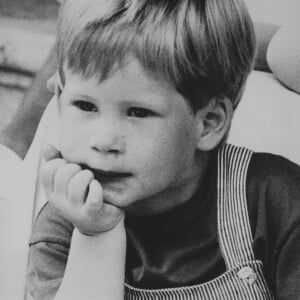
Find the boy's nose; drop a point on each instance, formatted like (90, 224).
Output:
(108, 139)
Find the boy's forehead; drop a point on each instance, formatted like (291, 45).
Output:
(129, 69)
(132, 83)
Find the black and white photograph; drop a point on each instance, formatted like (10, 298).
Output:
(149, 150)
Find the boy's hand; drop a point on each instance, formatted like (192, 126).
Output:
(77, 195)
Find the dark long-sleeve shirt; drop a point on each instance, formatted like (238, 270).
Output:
(181, 247)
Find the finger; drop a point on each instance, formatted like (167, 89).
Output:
(94, 198)
(79, 185)
(49, 152)
(63, 176)
(110, 215)
(48, 170)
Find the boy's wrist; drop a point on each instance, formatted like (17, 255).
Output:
(116, 226)
(108, 243)
(92, 261)
(118, 229)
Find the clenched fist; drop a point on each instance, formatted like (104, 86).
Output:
(77, 196)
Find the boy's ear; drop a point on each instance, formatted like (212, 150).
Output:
(213, 123)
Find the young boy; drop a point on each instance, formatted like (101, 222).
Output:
(146, 97)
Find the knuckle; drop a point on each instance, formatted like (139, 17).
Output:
(87, 174)
(84, 177)
(66, 170)
(74, 167)
(55, 163)
(49, 168)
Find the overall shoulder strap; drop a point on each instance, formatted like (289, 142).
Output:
(234, 229)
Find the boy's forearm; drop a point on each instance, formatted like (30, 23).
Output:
(96, 266)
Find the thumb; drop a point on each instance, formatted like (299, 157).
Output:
(49, 152)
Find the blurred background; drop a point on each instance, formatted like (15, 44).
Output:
(27, 33)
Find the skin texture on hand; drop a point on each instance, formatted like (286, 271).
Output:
(96, 266)
(77, 196)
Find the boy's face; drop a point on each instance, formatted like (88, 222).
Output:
(137, 135)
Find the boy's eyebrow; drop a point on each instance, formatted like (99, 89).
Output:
(83, 97)
(127, 101)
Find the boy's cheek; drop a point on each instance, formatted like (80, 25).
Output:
(69, 153)
(74, 148)
(68, 146)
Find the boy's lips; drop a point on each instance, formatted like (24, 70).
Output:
(110, 176)
(107, 176)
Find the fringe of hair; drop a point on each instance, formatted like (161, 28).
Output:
(204, 48)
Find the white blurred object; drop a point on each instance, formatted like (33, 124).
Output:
(267, 119)
(279, 12)
(15, 224)
(283, 55)
(22, 49)
(18, 191)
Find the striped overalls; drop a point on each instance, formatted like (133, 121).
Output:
(244, 278)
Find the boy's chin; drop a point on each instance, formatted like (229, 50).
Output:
(132, 203)
(143, 207)
(115, 198)
(125, 203)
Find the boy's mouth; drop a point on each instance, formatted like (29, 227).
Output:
(110, 176)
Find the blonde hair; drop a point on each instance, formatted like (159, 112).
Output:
(204, 48)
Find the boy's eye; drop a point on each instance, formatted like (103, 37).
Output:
(139, 112)
(85, 106)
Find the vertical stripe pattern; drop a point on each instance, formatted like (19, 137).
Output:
(233, 224)
(235, 241)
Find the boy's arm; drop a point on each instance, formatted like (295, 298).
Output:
(95, 268)
(283, 225)
(273, 194)
(288, 265)
(58, 260)
(95, 263)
